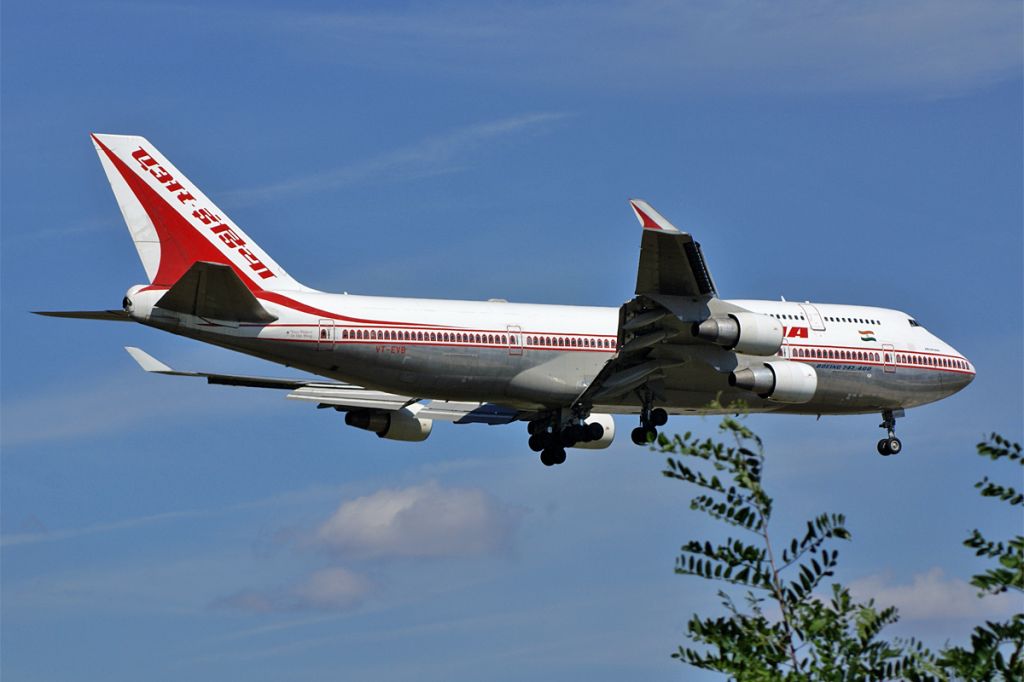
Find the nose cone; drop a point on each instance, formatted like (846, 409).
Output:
(958, 378)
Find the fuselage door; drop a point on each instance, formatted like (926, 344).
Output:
(325, 335)
(813, 317)
(515, 340)
(888, 358)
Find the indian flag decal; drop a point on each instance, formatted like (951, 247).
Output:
(867, 335)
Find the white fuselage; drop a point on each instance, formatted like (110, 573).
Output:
(542, 356)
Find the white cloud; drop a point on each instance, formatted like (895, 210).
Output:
(932, 596)
(426, 520)
(334, 588)
(434, 155)
(419, 521)
(329, 589)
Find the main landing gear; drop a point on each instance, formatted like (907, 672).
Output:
(551, 438)
(650, 419)
(890, 445)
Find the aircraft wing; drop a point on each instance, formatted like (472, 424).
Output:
(671, 262)
(344, 397)
(657, 350)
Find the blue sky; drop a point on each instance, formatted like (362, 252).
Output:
(162, 528)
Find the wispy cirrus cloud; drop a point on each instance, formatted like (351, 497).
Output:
(44, 535)
(434, 155)
(920, 47)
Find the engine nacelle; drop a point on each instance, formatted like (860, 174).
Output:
(607, 424)
(783, 381)
(749, 333)
(400, 424)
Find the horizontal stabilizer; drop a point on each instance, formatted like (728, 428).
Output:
(214, 291)
(109, 315)
(151, 364)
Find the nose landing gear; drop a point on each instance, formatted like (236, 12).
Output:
(889, 445)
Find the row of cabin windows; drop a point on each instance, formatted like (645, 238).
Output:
(930, 361)
(570, 342)
(443, 337)
(829, 354)
(868, 356)
(459, 337)
(855, 320)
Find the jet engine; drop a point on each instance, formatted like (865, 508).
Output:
(783, 381)
(595, 423)
(400, 424)
(749, 333)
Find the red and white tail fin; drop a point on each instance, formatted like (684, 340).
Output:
(173, 224)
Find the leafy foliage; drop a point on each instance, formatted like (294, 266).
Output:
(785, 631)
(997, 649)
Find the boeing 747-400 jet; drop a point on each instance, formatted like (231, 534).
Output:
(396, 365)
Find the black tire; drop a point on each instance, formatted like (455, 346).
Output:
(883, 447)
(595, 432)
(639, 435)
(538, 441)
(535, 427)
(659, 417)
(894, 446)
(547, 458)
(558, 456)
(566, 439)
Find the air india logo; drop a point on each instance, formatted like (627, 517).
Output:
(867, 335)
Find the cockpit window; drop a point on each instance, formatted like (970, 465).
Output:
(913, 322)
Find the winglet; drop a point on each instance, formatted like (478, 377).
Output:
(651, 219)
(147, 361)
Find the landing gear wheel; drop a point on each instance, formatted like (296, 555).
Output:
(595, 432)
(538, 441)
(883, 447)
(894, 446)
(659, 417)
(552, 456)
(644, 435)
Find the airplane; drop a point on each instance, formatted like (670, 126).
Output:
(393, 366)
